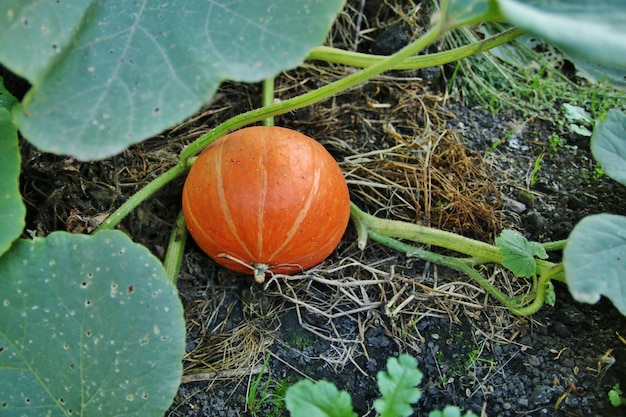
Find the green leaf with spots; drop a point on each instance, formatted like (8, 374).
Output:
(519, 254)
(89, 327)
(595, 260)
(608, 145)
(107, 73)
(593, 30)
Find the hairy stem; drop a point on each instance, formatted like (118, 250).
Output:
(541, 288)
(360, 60)
(387, 231)
(175, 249)
(427, 236)
(268, 98)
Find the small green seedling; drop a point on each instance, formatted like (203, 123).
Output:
(580, 120)
(397, 385)
(615, 396)
(258, 393)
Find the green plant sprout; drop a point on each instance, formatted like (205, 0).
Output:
(534, 174)
(99, 88)
(257, 394)
(615, 396)
(398, 386)
(555, 142)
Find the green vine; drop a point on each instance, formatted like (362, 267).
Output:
(386, 232)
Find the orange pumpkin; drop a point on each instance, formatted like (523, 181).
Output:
(266, 200)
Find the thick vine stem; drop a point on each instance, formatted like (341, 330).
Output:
(268, 98)
(386, 231)
(459, 264)
(361, 60)
(427, 235)
(175, 249)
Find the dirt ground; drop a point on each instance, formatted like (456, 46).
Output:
(411, 150)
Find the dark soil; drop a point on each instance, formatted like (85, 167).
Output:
(473, 352)
(557, 362)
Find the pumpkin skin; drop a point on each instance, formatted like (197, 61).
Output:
(266, 199)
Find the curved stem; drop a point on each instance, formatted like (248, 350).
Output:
(360, 60)
(458, 264)
(542, 287)
(385, 232)
(175, 249)
(554, 246)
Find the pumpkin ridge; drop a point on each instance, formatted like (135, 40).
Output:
(193, 223)
(302, 215)
(224, 205)
(262, 199)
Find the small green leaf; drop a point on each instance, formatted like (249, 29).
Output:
(615, 396)
(595, 260)
(90, 327)
(519, 254)
(398, 386)
(580, 130)
(7, 100)
(12, 209)
(321, 399)
(608, 145)
(448, 411)
(576, 114)
(593, 30)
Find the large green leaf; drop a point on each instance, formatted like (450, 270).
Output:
(126, 70)
(591, 29)
(35, 34)
(89, 326)
(12, 209)
(608, 145)
(595, 260)
(600, 73)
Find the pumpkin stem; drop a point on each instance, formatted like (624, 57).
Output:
(258, 270)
